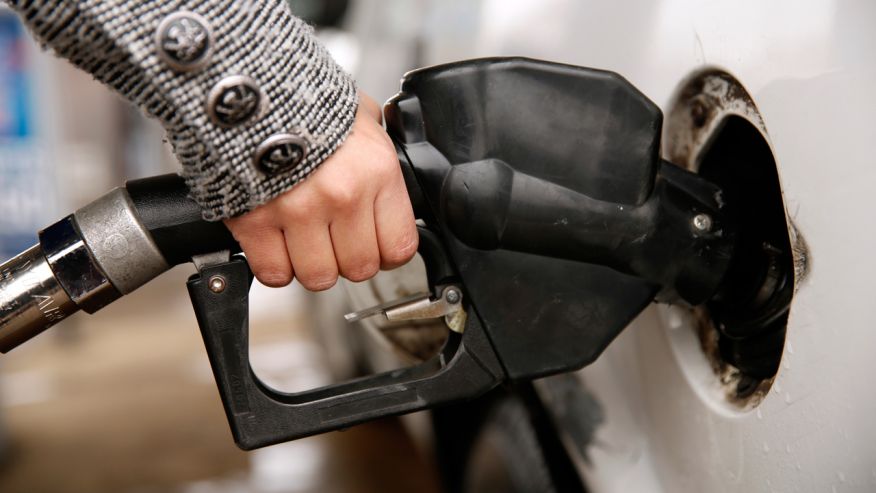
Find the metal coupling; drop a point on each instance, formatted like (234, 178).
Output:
(121, 245)
(83, 262)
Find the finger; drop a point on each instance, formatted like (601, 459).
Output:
(370, 107)
(313, 258)
(354, 239)
(397, 236)
(265, 249)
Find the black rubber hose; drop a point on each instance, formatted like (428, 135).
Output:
(174, 220)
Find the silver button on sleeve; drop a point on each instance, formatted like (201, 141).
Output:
(279, 153)
(236, 100)
(184, 41)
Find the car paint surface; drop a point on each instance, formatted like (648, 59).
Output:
(810, 69)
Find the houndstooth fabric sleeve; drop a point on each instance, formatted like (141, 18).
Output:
(261, 108)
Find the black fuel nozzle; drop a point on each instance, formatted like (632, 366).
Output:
(677, 238)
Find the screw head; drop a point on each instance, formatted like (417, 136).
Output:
(452, 296)
(217, 284)
(702, 223)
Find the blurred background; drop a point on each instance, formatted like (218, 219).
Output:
(125, 401)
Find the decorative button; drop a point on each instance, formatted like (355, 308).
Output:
(280, 153)
(235, 100)
(184, 41)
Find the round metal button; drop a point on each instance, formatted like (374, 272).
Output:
(280, 153)
(184, 41)
(235, 100)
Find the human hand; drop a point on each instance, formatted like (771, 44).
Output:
(350, 217)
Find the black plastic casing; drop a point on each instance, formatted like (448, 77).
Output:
(555, 270)
(174, 220)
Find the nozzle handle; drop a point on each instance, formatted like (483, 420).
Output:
(259, 415)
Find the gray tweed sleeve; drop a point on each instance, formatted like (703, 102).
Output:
(251, 101)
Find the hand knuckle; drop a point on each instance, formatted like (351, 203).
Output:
(362, 270)
(301, 208)
(402, 250)
(273, 277)
(335, 194)
(318, 280)
(342, 196)
(388, 165)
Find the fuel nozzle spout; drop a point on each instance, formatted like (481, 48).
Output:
(677, 238)
(103, 251)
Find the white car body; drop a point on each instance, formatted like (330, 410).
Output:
(811, 71)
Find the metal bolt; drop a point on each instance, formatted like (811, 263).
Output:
(702, 223)
(452, 296)
(217, 284)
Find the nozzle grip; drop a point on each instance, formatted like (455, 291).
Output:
(259, 415)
